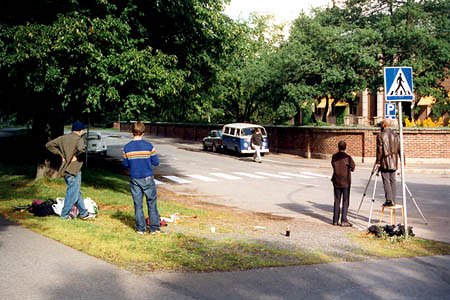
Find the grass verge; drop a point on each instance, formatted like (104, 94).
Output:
(189, 244)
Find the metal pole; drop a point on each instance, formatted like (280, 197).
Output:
(402, 158)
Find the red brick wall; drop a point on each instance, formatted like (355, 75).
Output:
(321, 142)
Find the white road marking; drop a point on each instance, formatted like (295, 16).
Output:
(273, 175)
(295, 175)
(177, 179)
(158, 182)
(315, 174)
(249, 175)
(202, 178)
(226, 176)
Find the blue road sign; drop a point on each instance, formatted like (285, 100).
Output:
(398, 84)
(391, 111)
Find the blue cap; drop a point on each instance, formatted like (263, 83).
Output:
(77, 126)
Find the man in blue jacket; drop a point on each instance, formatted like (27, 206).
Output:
(139, 156)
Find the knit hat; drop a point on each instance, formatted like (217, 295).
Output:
(77, 126)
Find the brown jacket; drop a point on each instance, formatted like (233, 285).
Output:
(342, 164)
(68, 146)
(388, 150)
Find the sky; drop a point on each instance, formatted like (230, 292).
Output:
(283, 10)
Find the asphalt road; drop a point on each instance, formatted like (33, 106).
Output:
(292, 186)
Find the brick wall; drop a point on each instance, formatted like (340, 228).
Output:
(321, 142)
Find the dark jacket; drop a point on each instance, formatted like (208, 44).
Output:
(257, 139)
(342, 164)
(68, 146)
(388, 150)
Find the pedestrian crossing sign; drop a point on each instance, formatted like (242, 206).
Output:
(398, 84)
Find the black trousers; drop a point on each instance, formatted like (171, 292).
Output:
(344, 195)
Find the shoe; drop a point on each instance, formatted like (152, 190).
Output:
(140, 232)
(346, 224)
(388, 203)
(156, 232)
(88, 216)
(335, 224)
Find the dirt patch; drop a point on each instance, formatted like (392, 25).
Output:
(222, 222)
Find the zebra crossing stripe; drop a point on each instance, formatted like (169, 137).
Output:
(295, 175)
(158, 182)
(177, 179)
(249, 175)
(226, 176)
(202, 178)
(272, 175)
(316, 175)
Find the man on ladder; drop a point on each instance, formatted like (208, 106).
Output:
(388, 151)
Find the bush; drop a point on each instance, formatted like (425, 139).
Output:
(428, 122)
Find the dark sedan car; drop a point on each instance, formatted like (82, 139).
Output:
(213, 141)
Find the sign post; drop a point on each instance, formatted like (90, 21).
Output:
(398, 87)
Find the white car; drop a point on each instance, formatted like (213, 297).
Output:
(95, 143)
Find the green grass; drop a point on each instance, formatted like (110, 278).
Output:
(187, 245)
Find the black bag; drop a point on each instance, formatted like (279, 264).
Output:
(41, 208)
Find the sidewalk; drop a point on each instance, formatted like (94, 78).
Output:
(35, 267)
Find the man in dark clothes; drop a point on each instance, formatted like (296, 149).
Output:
(388, 151)
(256, 144)
(342, 164)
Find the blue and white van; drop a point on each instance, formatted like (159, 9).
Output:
(236, 137)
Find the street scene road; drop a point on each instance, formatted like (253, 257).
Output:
(292, 186)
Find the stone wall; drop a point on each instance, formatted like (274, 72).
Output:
(321, 142)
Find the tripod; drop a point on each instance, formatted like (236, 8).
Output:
(377, 171)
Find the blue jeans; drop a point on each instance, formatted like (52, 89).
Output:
(73, 196)
(140, 187)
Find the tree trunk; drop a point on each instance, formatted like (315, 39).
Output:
(325, 110)
(47, 124)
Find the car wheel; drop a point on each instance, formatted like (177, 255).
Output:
(104, 153)
(214, 148)
(204, 147)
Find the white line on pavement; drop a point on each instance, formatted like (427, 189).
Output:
(202, 178)
(315, 174)
(249, 175)
(177, 179)
(273, 175)
(295, 175)
(226, 176)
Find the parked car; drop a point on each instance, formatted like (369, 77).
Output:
(213, 141)
(236, 137)
(95, 143)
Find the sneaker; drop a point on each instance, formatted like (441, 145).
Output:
(88, 216)
(335, 224)
(156, 232)
(140, 232)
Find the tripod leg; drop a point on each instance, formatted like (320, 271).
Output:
(373, 200)
(365, 190)
(415, 203)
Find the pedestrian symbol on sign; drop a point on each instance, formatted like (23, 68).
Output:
(398, 84)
